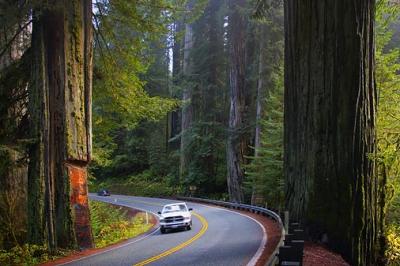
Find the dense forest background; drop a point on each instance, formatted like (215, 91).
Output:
(188, 99)
(147, 159)
(143, 150)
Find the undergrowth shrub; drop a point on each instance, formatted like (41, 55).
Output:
(29, 255)
(393, 251)
(111, 225)
(138, 185)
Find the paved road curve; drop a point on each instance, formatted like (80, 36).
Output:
(218, 237)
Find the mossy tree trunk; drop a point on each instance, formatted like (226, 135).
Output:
(38, 126)
(330, 107)
(236, 144)
(60, 108)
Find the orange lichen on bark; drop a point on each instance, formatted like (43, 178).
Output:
(77, 177)
(79, 203)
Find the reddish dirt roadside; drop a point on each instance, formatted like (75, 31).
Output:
(318, 255)
(273, 235)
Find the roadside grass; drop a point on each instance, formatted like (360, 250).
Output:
(393, 250)
(113, 224)
(109, 226)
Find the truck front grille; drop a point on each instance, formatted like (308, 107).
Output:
(174, 219)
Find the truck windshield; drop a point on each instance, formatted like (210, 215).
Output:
(174, 208)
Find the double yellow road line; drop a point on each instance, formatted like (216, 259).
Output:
(181, 246)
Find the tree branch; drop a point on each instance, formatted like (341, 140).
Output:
(9, 43)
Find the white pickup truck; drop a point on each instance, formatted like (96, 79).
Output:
(175, 215)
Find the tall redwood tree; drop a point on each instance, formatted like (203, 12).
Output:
(60, 111)
(236, 144)
(330, 114)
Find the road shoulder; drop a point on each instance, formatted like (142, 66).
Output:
(78, 255)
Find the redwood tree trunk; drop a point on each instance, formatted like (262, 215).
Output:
(187, 109)
(38, 126)
(330, 105)
(174, 116)
(236, 144)
(61, 122)
(257, 196)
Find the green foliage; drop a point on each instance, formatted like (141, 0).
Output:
(13, 81)
(28, 255)
(15, 64)
(388, 122)
(112, 224)
(109, 225)
(205, 139)
(143, 184)
(126, 31)
(12, 201)
(264, 8)
(207, 168)
(388, 119)
(135, 137)
(265, 172)
(393, 251)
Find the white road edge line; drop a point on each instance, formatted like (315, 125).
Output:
(121, 246)
(261, 248)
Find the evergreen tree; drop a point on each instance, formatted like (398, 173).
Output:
(206, 167)
(132, 83)
(265, 172)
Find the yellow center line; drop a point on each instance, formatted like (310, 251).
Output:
(180, 246)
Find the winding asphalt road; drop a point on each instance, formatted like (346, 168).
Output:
(218, 237)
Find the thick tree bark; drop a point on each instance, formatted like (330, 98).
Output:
(236, 144)
(330, 105)
(61, 124)
(38, 126)
(255, 196)
(187, 109)
(209, 93)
